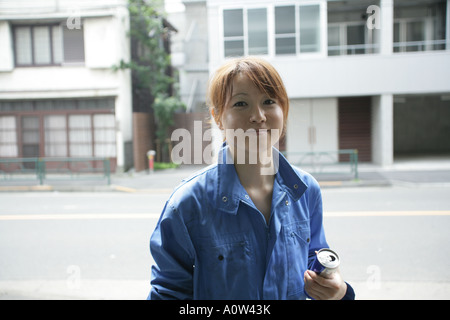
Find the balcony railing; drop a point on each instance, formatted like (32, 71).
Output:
(409, 46)
(426, 45)
(353, 49)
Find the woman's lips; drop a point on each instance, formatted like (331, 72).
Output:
(257, 131)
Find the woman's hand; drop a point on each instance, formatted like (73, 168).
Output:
(320, 288)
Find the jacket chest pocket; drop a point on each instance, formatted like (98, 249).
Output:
(224, 266)
(297, 238)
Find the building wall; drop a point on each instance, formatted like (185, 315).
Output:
(190, 54)
(422, 124)
(105, 25)
(385, 70)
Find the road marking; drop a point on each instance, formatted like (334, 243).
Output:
(110, 216)
(26, 188)
(330, 183)
(151, 190)
(80, 216)
(386, 213)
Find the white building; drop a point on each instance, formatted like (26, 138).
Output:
(59, 96)
(372, 75)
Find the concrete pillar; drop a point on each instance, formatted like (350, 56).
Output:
(383, 130)
(447, 26)
(387, 26)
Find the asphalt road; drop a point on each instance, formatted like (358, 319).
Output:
(392, 242)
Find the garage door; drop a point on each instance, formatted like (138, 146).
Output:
(355, 127)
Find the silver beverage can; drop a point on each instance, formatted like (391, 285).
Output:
(326, 263)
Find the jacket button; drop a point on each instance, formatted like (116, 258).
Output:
(224, 199)
(220, 257)
(287, 202)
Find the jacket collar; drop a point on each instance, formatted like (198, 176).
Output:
(230, 192)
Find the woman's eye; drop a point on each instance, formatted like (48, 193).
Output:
(240, 104)
(269, 101)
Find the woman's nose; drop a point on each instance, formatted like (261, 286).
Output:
(257, 115)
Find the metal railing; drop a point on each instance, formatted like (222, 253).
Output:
(352, 49)
(326, 162)
(42, 169)
(406, 46)
(425, 45)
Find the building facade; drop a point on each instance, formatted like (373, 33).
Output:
(59, 95)
(371, 75)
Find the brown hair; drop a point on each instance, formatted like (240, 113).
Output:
(263, 75)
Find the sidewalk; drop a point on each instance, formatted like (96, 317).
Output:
(409, 171)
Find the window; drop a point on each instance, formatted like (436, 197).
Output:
(347, 38)
(356, 39)
(257, 31)
(233, 32)
(420, 26)
(23, 50)
(55, 127)
(78, 128)
(73, 44)
(42, 45)
(295, 30)
(417, 35)
(245, 32)
(80, 133)
(8, 136)
(309, 28)
(30, 136)
(104, 135)
(285, 36)
(297, 34)
(348, 33)
(334, 40)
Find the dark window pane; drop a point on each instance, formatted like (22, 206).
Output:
(233, 25)
(73, 45)
(234, 48)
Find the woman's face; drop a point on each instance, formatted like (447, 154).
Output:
(252, 120)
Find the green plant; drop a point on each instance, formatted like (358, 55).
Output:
(165, 165)
(150, 64)
(165, 107)
(146, 32)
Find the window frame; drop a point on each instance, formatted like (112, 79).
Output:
(244, 37)
(52, 44)
(271, 32)
(100, 109)
(370, 45)
(427, 44)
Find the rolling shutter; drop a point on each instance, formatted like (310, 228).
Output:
(355, 127)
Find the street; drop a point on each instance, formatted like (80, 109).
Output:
(62, 245)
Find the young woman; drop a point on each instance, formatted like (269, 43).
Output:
(247, 227)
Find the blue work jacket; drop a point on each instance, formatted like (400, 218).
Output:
(211, 242)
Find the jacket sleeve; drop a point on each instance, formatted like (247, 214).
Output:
(174, 256)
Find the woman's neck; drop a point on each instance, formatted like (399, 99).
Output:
(258, 184)
(256, 175)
